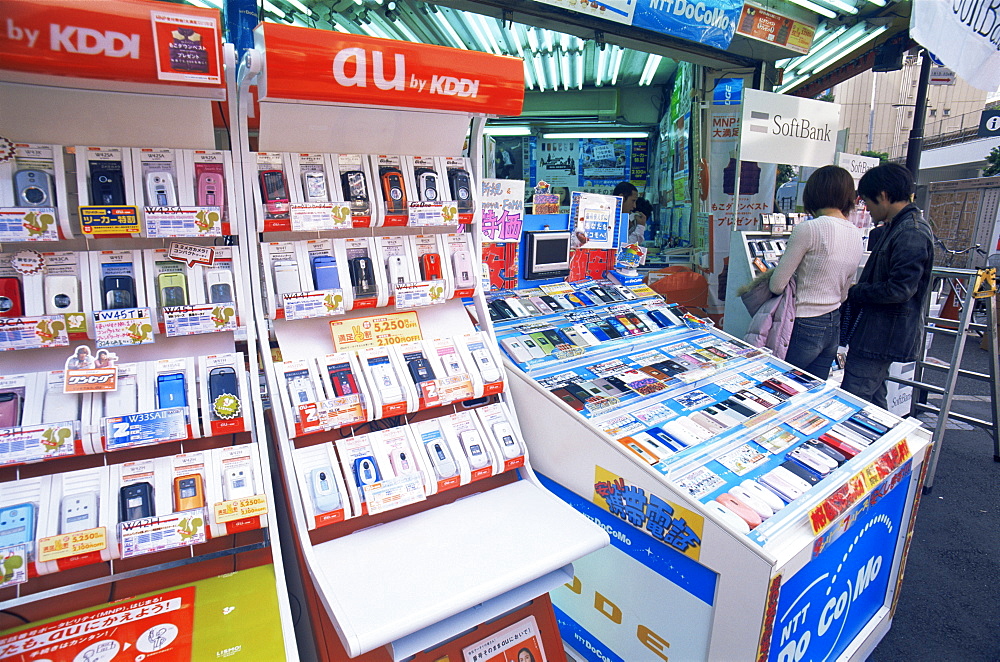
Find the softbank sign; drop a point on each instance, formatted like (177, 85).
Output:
(785, 129)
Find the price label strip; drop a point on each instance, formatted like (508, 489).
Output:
(237, 509)
(152, 427)
(155, 534)
(393, 493)
(375, 331)
(28, 224)
(65, 545)
(123, 327)
(320, 303)
(183, 221)
(36, 443)
(198, 319)
(33, 332)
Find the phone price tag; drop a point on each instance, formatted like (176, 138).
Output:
(152, 427)
(65, 545)
(338, 412)
(320, 303)
(433, 213)
(314, 216)
(33, 332)
(122, 327)
(393, 493)
(237, 509)
(420, 294)
(28, 224)
(199, 318)
(155, 534)
(454, 388)
(36, 443)
(13, 565)
(101, 221)
(183, 221)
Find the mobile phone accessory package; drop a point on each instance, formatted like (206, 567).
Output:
(32, 180)
(223, 393)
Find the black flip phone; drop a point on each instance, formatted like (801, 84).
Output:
(362, 276)
(107, 186)
(461, 189)
(119, 292)
(135, 501)
(355, 190)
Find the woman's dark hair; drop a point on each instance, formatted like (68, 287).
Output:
(829, 187)
(892, 179)
(625, 189)
(528, 651)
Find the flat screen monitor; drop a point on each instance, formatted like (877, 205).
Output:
(546, 254)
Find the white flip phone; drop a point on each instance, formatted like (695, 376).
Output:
(475, 449)
(516, 349)
(238, 484)
(586, 335)
(124, 400)
(220, 285)
(160, 190)
(487, 367)
(534, 350)
(286, 277)
(396, 267)
(78, 512)
(465, 275)
(509, 445)
(326, 496)
(314, 187)
(516, 306)
(61, 295)
(385, 381)
(59, 407)
(444, 463)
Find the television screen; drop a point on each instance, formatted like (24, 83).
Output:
(546, 254)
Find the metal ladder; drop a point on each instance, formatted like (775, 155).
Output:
(971, 285)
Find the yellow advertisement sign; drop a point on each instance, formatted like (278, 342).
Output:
(376, 331)
(673, 525)
(58, 547)
(230, 511)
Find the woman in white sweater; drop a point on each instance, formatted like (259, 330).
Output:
(823, 254)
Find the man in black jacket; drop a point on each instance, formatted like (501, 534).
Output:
(890, 293)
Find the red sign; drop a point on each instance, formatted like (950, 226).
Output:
(132, 41)
(322, 65)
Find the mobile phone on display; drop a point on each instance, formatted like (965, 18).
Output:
(314, 187)
(107, 186)
(461, 189)
(172, 288)
(274, 192)
(475, 449)
(222, 381)
(427, 184)
(160, 190)
(211, 190)
(393, 191)
(17, 524)
(220, 285)
(11, 404)
(61, 295)
(430, 266)
(78, 512)
(444, 464)
(355, 191)
(362, 276)
(342, 379)
(170, 390)
(11, 297)
(135, 501)
(119, 292)
(324, 272)
(189, 492)
(325, 494)
(33, 188)
(238, 484)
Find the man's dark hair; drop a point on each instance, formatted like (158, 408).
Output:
(645, 206)
(892, 179)
(625, 189)
(829, 187)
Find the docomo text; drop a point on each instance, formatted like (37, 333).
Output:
(350, 69)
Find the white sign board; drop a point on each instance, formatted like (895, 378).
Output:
(856, 164)
(941, 76)
(783, 129)
(962, 35)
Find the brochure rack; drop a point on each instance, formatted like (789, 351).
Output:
(400, 555)
(714, 555)
(199, 479)
(748, 252)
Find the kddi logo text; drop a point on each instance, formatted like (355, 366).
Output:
(801, 128)
(692, 11)
(350, 69)
(73, 39)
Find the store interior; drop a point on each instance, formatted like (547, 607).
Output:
(332, 344)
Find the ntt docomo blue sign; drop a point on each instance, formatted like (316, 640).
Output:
(710, 22)
(826, 604)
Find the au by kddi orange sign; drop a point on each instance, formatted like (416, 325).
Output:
(131, 41)
(318, 65)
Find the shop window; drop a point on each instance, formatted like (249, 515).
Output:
(947, 112)
(933, 112)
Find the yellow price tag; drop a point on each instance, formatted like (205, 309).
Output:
(230, 511)
(65, 545)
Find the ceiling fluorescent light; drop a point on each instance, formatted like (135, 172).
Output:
(552, 69)
(616, 65)
(529, 77)
(481, 39)
(602, 59)
(878, 3)
(547, 40)
(450, 30)
(580, 57)
(596, 134)
(854, 44)
(269, 6)
(649, 71)
(842, 6)
(301, 7)
(816, 50)
(822, 11)
(508, 130)
(532, 39)
(564, 69)
(536, 62)
(200, 3)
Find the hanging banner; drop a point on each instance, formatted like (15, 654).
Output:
(963, 36)
(710, 22)
(762, 24)
(322, 65)
(778, 128)
(132, 41)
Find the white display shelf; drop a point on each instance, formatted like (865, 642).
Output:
(392, 580)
